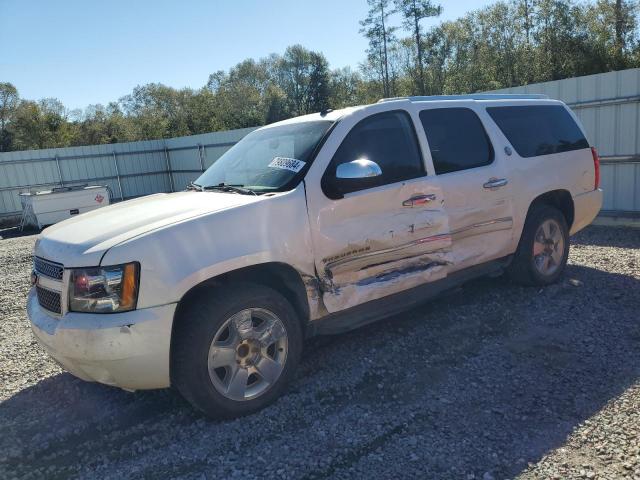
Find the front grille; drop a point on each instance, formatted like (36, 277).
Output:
(49, 300)
(48, 268)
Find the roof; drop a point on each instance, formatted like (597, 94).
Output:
(473, 96)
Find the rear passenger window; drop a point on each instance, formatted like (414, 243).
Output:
(539, 129)
(457, 139)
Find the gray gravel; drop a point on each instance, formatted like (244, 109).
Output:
(492, 381)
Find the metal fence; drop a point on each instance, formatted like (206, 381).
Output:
(608, 105)
(129, 169)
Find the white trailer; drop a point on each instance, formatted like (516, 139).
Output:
(47, 207)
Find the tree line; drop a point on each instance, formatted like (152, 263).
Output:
(505, 44)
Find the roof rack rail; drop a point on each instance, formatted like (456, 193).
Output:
(473, 96)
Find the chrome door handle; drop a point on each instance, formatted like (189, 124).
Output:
(496, 183)
(419, 200)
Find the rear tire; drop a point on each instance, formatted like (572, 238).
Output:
(235, 349)
(543, 249)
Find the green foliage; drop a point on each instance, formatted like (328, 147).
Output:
(380, 34)
(8, 102)
(526, 41)
(412, 13)
(509, 43)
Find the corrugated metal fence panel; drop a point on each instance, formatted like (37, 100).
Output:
(608, 105)
(212, 144)
(129, 169)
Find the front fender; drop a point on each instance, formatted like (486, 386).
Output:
(178, 257)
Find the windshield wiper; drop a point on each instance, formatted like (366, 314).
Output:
(195, 186)
(225, 187)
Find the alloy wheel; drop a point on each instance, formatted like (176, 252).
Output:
(548, 247)
(248, 354)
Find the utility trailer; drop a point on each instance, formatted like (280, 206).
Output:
(47, 207)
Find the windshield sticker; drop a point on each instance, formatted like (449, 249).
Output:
(290, 164)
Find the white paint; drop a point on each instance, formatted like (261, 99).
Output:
(362, 247)
(130, 350)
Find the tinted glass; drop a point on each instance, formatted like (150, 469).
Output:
(388, 139)
(267, 159)
(457, 139)
(539, 129)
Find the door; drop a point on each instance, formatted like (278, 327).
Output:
(378, 235)
(473, 177)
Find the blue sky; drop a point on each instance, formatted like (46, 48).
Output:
(88, 51)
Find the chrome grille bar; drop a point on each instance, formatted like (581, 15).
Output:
(48, 268)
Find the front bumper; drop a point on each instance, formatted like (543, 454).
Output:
(128, 350)
(586, 208)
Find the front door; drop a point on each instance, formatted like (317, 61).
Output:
(475, 183)
(379, 236)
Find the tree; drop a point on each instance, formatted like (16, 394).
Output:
(611, 33)
(413, 12)
(238, 94)
(42, 124)
(318, 100)
(304, 77)
(9, 99)
(380, 35)
(274, 104)
(510, 42)
(345, 88)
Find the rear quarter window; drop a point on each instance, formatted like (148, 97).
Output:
(539, 129)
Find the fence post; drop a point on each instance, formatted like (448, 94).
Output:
(200, 149)
(169, 171)
(115, 162)
(59, 170)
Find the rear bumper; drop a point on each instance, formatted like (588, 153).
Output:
(586, 207)
(128, 350)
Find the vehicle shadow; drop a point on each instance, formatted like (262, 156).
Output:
(603, 236)
(486, 379)
(15, 232)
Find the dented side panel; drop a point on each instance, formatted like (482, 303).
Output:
(369, 245)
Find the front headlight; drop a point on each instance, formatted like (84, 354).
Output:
(104, 289)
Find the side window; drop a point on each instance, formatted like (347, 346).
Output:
(457, 139)
(539, 129)
(387, 138)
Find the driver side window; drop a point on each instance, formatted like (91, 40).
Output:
(388, 139)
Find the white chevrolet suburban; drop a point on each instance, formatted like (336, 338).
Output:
(318, 224)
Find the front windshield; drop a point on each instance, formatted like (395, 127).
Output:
(267, 159)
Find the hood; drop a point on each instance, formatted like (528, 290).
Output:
(82, 241)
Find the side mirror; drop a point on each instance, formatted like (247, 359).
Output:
(351, 177)
(358, 169)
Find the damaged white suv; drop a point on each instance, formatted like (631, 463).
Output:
(317, 224)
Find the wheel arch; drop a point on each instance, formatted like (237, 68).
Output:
(280, 276)
(560, 199)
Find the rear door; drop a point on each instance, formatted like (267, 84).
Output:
(474, 180)
(384, 235)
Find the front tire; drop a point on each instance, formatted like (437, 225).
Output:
(235, 350)
(543, 249)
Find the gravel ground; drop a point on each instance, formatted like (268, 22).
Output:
(491, 381)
